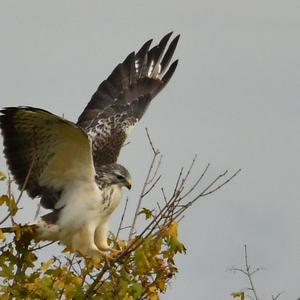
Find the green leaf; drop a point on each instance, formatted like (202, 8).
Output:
(53, 272)
(2, 236)
(141, 261)
(176, 246)
(136, 290)
(3, 176)
(147, 212)
(12, 205)
(78, 293)
(240, 295)
(3, 199)
(7, 271)
(10, 202)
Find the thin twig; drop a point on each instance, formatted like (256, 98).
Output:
(188, 173)
(221, 185)
(122, 218)
(164, 217)
(155, 154)
(43, 246)
(9, 193)
(204, 191)
(196, 183)
(164, 194)
(249, 274)
(175, 191)
(21, 192)
(152, 186)
(156, 170)
(93, 286)
(277, 296)
(155, 151)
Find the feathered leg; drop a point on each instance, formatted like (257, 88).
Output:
(83, 241)
(101, 234)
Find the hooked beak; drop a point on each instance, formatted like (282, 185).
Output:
(128, 183)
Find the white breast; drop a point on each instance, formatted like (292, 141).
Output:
(84, 207)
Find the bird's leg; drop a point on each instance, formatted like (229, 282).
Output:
(100, 238)
(101, 235)
(83, 242)
(38, 209)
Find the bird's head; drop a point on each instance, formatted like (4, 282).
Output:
(110, 174)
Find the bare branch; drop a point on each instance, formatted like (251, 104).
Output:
(249, 274)
(205, 191)
(21, 192)
(221, 185)
(152, 186)
(176, 188)
(43, 246)
(196, 183)
(164, 194)
(277, 296)
(155, 151)
(146, 183)
(96, 281)
(156, 170)
(122, 218)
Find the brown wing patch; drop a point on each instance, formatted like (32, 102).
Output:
(127, 91)
(58, 150)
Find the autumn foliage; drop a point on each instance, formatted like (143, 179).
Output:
(139, 267)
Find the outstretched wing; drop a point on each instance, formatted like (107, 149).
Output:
(44, 151)
(121, 100)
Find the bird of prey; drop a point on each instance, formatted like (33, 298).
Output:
(72, 167)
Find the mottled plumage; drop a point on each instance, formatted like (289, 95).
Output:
(121, 100)
(53, 157)
(72, 167)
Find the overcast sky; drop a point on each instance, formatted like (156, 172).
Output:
(234, 100)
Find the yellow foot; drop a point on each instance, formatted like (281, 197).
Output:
(111, 255)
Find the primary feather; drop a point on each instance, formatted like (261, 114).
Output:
(72, 167)
(51, 158)
(121, 100)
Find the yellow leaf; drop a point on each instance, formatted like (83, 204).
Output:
(31, 286)
(59, 284)
(121, 243)
(161, 284)
(12, 205)
(5, 296)
(78, 280)
(141, 261)
(3, 199)
(172, 230)
(240, 295)
(46, 265)
(127, 297)
(18, 231)
(2, 236)
(153, 293)
(3, 176)
(147, 212)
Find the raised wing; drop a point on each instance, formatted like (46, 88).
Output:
(50, 151)
(121, 100)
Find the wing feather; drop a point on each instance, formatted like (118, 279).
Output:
(56, 150)
(121, 100)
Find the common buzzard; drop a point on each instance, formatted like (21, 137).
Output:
(72, 167)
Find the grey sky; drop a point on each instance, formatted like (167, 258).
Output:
(234, 101)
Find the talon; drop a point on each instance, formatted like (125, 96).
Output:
(116, 252)
(112, 255)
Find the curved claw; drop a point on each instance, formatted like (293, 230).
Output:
(112, 255)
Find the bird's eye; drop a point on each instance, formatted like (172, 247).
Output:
(120, 177)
